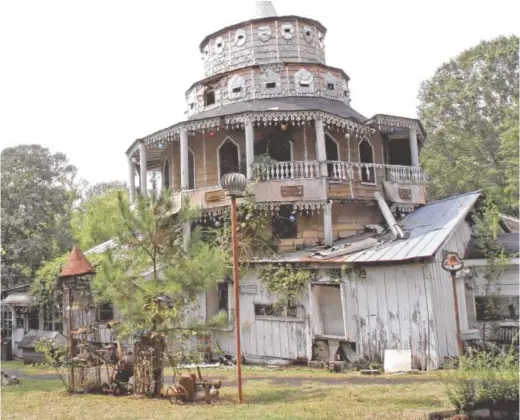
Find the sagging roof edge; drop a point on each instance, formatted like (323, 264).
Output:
(318, 265)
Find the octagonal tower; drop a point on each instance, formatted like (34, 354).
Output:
(270, 107)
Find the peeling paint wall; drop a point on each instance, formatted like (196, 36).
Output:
(391, 309)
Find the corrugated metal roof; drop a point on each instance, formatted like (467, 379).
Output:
(427, 228)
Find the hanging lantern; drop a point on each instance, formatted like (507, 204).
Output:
(211, 133)
(292, 218)
(283, 126)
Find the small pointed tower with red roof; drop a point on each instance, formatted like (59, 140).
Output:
(74, 279)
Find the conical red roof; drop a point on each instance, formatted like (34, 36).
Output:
(76, 265)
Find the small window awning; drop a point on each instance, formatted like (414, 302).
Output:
(17, 299)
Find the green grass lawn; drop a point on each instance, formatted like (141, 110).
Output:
(264, 399)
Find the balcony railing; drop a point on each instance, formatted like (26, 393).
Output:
(339, 170)
(279, 171)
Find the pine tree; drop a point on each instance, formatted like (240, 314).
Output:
(152, 277)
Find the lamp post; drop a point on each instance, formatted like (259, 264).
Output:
(452, 264)
(235, 184)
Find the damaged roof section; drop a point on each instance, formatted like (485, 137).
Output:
(425, 229)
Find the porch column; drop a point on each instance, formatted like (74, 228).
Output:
(414, 148)
(131, 179)
(327, 223)
(144, 169)
(321, 151)
(185, 173)
(250, 147)
(185, 180)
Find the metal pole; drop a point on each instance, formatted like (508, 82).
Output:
(69, 339)
(236, 291)
(456, 307)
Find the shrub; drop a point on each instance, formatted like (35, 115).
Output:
(483, 377)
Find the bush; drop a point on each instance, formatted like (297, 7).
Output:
(483, 377)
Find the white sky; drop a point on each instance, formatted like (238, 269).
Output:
(88, 77)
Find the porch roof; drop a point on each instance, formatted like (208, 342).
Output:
(17, 299)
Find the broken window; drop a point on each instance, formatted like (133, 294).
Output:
(217, 300)
(496, 308)
(105, 312)
(288, 311)
(209, 97)
(284, 222)
(366, 155)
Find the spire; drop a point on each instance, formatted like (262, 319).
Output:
(264, 9)
(76, 265)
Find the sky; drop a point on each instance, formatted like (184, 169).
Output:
(87, 78)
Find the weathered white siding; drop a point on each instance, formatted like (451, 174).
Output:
(391, 309)
(439, 280)
(265, 337)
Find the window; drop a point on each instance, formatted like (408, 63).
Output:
(217, 300)
(166, 174)
(105, 312)
(191, 170)
(308, 34)
(34, 319)
(209, 97)
(287, 31)
(366, 155)
(228, 153)
(304, 81)
(284, 223)
(219, 45)
(237, 89)
(332, 152)
(496, 308)
(7, 325)
(52, 319)
(240, 37)
(288, 311)
(320, 39)
(192, 105)
(264, 33)
(236, 86)
(330, 86)
(270, 85)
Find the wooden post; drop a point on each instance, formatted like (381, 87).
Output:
(69, 339)
(236, 290)
(456, 308)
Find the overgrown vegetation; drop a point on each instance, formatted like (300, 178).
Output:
(285, 281)
(483, 377)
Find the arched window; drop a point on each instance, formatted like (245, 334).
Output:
(332, 152)
(228, 157)
(191, 170)
(366, 155)
(166, 174)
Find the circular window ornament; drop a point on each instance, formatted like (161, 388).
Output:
(287, 31)
(307, 33)
(206, 52)
(219, 45)
(264, 33)
(240, 37)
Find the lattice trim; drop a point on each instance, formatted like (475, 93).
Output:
(388, 122)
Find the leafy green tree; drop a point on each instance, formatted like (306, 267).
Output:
(469, 108)
(38, 192)
(153, 276)
(98, 219)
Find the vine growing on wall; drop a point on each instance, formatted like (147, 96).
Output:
(285, 281)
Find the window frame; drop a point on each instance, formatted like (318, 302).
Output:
(371, 169)
(275, 218)
(52, 319)
(219, 170)
(99, 310)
